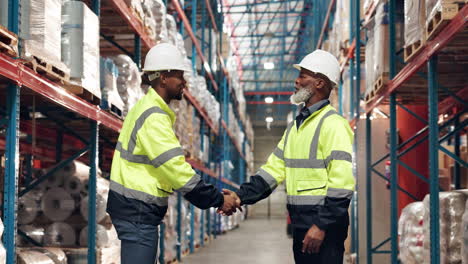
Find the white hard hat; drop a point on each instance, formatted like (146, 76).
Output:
(323, 62)
(164, 57)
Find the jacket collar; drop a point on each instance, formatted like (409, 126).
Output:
(157, 100)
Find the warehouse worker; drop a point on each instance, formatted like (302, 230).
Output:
(149, 164)
(314, 158)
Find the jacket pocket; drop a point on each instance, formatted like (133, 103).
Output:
(305, 187)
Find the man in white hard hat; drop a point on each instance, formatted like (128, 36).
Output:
(314, 158)
(149, 164)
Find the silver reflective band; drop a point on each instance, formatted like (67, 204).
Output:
(138, 195)
(268, 178)
(339, 155)
(188, 187)
(139, 124)
(312, 162)
(306, 199)
(339, 193)
(278, 153)
(143, 159)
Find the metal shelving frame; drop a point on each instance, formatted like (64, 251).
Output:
(455, 104)
(21, 78)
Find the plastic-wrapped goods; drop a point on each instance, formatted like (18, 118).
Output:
(128, 82)
(33, 257)
(170, 232)
(137, 8)
(381, 55)
(80, 45)
(28, 207)
(110, 94)
(101, 203)
(180, 44)
(57, 204)
(369, 62)
(452, 207)
(149, 22)
(411, 232)
(60, 234)
(40, 29)
(186, 228)
(75, 174)
(159, 14)
(34, 232)
(104, 237)
(415, 19)
(464, 232)
(171, 29)
(55, 254)
(2, 248)
(198, 214)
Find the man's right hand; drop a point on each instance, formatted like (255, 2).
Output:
(232, 202)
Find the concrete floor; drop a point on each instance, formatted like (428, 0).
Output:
(257, 240)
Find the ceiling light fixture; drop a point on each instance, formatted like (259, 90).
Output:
(269, 100)
(268, 66)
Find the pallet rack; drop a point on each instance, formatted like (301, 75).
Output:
(426, 68)
(93, 128)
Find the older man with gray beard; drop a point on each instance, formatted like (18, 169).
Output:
(314, 158)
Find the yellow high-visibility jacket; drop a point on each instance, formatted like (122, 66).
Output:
(315, 160)
(149, 164)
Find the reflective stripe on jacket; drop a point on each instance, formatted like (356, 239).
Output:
(316, 163)
(149, 164)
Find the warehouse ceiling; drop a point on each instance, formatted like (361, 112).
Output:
(267, 38)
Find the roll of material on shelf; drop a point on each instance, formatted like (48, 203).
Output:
(33, 257)
(28, 209)
(101, 203)
(2, 254)
(76, 174)
(59, 234)
(57, 204)
(34, 232)
(104, 237)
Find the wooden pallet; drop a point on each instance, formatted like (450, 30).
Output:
(442, 17)
(114, 110)
(413, 49)
(48, 69)
(378, 85)
(8, 42)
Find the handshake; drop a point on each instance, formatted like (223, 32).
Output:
(232, 202)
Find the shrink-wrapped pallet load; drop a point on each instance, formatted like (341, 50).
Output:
(452, 207)
(411, 233)
(110, 94)
(128, 81)
(80, 45)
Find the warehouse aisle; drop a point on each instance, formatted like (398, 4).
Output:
(257, 240)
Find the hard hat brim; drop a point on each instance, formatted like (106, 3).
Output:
(171, 69)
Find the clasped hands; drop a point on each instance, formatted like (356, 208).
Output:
(232, 202)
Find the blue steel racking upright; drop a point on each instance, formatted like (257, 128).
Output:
(23, 78)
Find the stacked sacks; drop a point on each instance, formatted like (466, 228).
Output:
(452, 208)
(171, 29)
(128, 82)
(159, 14)
(411, 233)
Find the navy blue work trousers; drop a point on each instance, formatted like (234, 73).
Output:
(139, 242)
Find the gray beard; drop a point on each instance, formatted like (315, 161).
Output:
(301, 96)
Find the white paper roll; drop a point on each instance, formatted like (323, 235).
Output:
(55, 180)
(1, 228)
(104, 237)
(59, 234)
(73, 185)
(101, 204)
(57, 204)
(34, 232)
(33, 257)
(28, 209)
(102, 186)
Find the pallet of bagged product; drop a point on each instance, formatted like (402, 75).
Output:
(8, 42)
(378, 85)
(445, 13)
(52, 71)
(413, 49)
